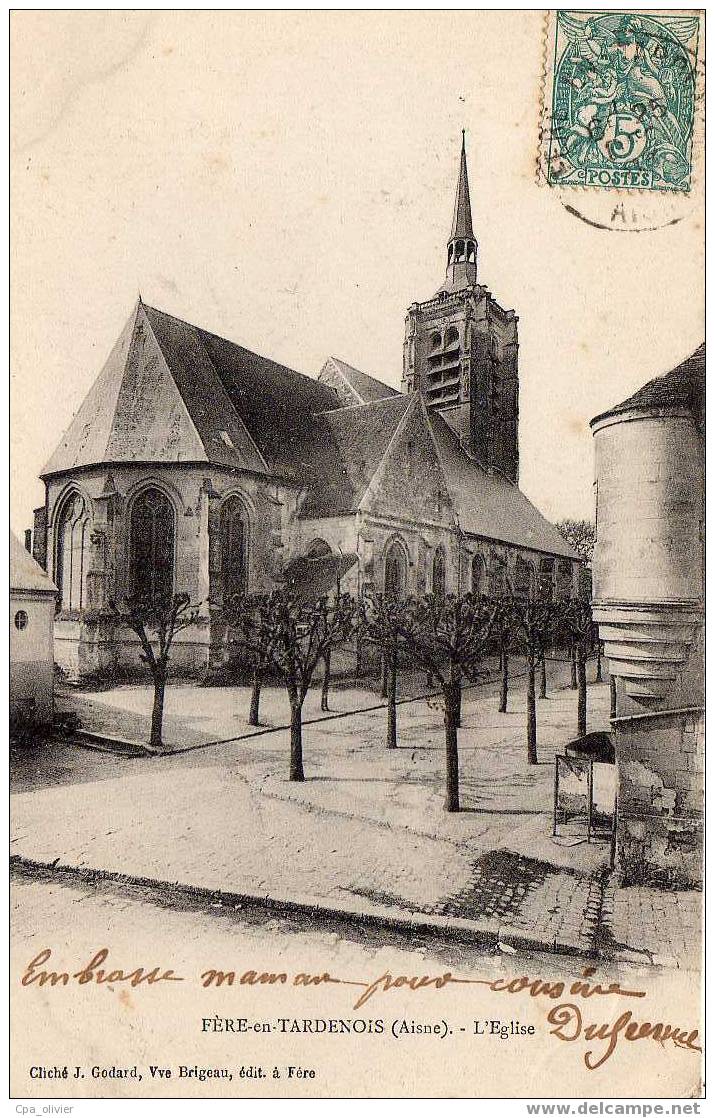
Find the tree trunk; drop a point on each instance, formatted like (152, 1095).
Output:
(456, 679)
(392, 703)
(296, 740)
(599, 670)
(384, 673)
(157, 714)
(574, 680)
(255, 698)
(326, 682)
(531, 710)
(451, 707)
(614, 696)
(581, 690)
(504, 694)
(358, 658)
(542, 677)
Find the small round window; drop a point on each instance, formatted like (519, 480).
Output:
(21, 619)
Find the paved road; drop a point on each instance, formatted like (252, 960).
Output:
(119, 1026)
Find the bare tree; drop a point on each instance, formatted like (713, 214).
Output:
(299, 633)
(576, 617)
(581, 534)
(533, 623)
(325, 685)
(381, 623)
(248, 615)
(599, 657)
(156, 622)
(503, 629)
(447, 636)
(542, 673)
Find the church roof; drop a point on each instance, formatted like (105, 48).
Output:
(171, 392)
(462, 220)
(25, 573)
(488, 504)
(683, 386)
(358, 437)
(363, 388)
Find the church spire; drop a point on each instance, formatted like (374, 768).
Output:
(462, 221)
(462, 246)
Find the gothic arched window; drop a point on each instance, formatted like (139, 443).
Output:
(497, 575)
(459, 251)
(71, 542)
(546, 578)
(522, 577)
(439, 576)
(477, 575)
(564, 578)
(151, 546)
(452, 336)
(395, 570)
(471, 252)
(234, 546)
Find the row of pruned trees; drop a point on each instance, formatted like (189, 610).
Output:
(448, 637)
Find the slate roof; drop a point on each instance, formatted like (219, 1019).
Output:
(462, 219)
(364, 388)
(683, 386)
(486, 504)
(171, 392)
(25, 573)
(489, 505)
(275, 403)
(358, 437)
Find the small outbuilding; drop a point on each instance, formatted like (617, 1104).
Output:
(33, 598)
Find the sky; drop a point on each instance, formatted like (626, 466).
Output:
(286, 180)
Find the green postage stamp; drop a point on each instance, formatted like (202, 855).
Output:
(620, 98)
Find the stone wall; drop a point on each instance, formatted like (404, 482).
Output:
(660, 798)
(88, 641)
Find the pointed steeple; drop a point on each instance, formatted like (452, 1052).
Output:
(462, 246)
(462, 221)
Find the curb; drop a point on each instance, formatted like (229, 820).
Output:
(485, 934)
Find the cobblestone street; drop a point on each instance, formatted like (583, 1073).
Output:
(225, 818)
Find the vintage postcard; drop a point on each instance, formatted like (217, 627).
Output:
(356, 559)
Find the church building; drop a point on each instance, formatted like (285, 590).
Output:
(196, 465)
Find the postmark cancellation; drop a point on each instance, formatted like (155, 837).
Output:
(620, 99)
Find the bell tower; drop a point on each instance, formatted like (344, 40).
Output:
(462, 245)
(461, 351)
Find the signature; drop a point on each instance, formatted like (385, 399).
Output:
(566, 1018)
(568, 1025)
